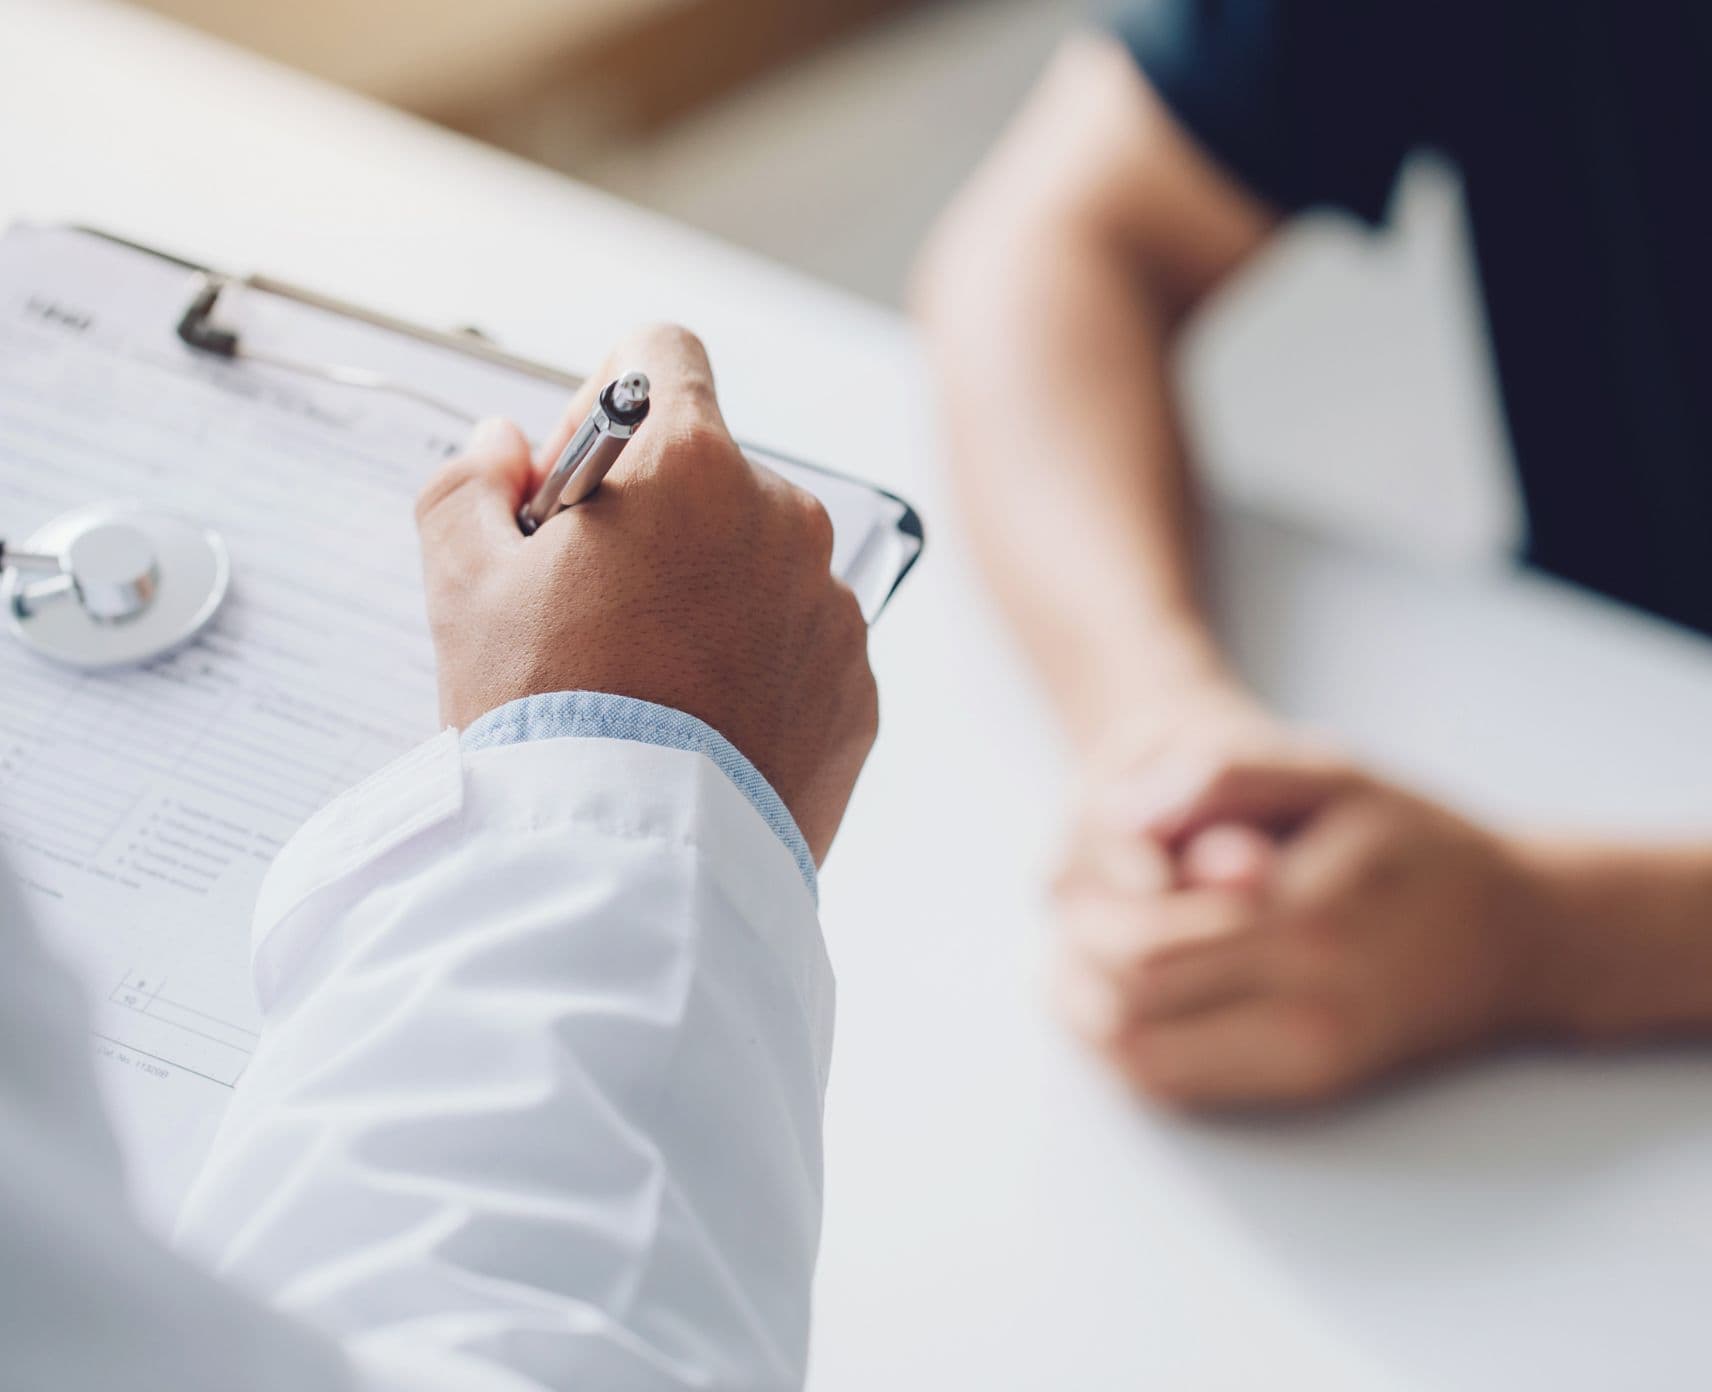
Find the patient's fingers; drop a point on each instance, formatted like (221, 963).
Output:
(1187, 982)
(1114, 865)
(1090, 1002)
(1276, 790)
(1253, 1052)
(1106, 854)
(1228, 855)
(1129, 936)
(1170, 954)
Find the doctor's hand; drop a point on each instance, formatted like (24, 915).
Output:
(691, 579)
(1284, 929)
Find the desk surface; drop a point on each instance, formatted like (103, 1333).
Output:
(997, 1216)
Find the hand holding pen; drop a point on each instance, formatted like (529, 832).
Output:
(704, 587)
(590, 453)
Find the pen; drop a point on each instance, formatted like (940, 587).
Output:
(591, 452)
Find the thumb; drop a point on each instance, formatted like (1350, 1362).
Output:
(1271, 792)
(470, 506)
(1227, 855)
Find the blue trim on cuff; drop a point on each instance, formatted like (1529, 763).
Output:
(600, 715)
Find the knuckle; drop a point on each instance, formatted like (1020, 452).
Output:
(667, 334)
(850, 623)
(816, 524)
(869, 705)
(856, 705)
(864, 689)
(836, 631)
(706, 441)
(674, 351)
(699, 446)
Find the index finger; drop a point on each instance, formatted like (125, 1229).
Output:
(679, 375)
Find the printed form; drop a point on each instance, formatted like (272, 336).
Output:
(141, 808)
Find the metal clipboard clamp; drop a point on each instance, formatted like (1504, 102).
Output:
(875, 574)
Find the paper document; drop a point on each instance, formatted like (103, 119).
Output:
(141, 808)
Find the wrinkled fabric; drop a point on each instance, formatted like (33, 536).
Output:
(536, 1104)
(600, 715)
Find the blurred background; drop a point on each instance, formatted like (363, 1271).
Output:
(1345, 382)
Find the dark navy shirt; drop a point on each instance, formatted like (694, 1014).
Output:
(1583, 129)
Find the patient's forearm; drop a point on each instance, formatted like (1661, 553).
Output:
(1051, 294)
(1626, 949)
(1052, 359)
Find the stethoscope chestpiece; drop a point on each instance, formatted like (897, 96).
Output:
(113, 585)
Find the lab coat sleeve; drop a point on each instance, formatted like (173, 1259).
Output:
(537, 1101)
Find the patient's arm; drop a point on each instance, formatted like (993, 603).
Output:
(1052, 294)
(1626, 943)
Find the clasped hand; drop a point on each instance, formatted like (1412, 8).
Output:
(1259, 922)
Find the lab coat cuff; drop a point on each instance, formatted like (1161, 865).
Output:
(601, 715)
(432, 803)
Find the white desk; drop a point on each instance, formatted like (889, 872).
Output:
(997, 1217)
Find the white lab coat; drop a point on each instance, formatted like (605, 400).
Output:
(537, 1105)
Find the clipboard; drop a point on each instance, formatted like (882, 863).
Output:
(140, 807)
(875, 572)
